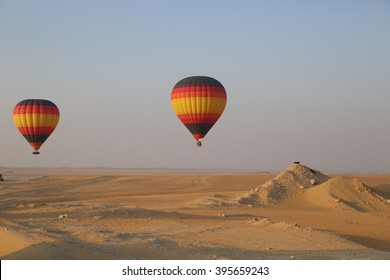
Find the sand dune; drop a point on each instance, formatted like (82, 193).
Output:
(341, 192)
(107, 214)
(347, 193)
(295, 179)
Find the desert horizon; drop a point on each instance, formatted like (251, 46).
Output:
(151, 214)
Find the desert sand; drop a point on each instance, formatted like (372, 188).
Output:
(299, 213)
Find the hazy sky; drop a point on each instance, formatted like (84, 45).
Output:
(306, 81)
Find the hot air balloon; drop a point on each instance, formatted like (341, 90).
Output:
(36, 119)
(198, 102)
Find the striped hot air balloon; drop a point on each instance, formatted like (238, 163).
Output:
(36, 119)
(199, 102)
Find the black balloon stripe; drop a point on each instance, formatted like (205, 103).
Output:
(198, 81)
(38, 138)
(199, 128)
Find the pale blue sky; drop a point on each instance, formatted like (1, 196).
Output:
(306, 80)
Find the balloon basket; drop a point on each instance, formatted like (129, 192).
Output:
(199, 144)
(35, 153)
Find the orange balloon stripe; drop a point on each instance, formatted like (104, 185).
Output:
(36, 145)
(198, 91)
(198, 118)
(36, 130)
(36, 109)
(192, 87)
(198, 136)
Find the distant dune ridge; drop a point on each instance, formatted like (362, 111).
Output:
(340, 192)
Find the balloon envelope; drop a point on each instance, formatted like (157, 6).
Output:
(198, 101)
(36, 119)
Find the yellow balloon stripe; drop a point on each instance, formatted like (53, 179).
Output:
(36, 120)
(192, 105)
